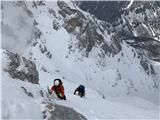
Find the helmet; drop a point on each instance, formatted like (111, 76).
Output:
(56, 82)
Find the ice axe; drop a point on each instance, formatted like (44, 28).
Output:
(48, 90)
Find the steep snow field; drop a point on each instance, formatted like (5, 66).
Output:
(17, 105)
(114, 90)
(95, 107)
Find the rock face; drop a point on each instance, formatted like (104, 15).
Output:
(59, 112)
(88, 30)
(21, 68)
(138, 25)
(65, 113)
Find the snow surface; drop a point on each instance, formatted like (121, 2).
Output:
(132, 97)
(17, 105)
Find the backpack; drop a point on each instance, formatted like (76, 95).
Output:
(82, 87)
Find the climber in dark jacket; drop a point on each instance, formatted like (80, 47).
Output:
(80, 90)
(58, 89)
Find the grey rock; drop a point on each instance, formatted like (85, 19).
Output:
(62, 13)
(88, 36)
(65, 113)
(21, 68)
(65, 8)
(26, 92)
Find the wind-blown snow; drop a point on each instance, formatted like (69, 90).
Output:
(17, 27)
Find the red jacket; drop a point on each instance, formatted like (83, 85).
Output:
(58, 89)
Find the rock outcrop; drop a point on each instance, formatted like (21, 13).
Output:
(59, 112)
(65, 113)
(20, 68)
(88, 30)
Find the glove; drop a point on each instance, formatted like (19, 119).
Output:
(59, 95)
(50, 92)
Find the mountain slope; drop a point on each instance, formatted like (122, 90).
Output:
(68, 43)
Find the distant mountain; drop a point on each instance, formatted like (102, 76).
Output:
(140, 23)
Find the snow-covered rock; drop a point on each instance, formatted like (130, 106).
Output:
(19, 67)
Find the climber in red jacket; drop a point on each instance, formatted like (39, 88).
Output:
(58, 89)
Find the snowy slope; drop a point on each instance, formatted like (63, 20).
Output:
(94, 107)
(118, 75)
(15, 103)
(117, 87)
